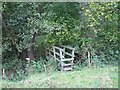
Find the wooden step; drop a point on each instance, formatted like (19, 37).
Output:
(67, 59)
(64, 64)
(67, 68)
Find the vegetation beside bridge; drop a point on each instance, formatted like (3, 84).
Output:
(29, 28)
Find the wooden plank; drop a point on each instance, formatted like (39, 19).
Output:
(54, 54)
(69, 64)
(73, 55)
(68, 47)
(51, 51)
(57, 53)
(61, 55)
(68, 54)
(67, 59)
(57, 59)
(63, 65)
(57, 48)
(67, 68)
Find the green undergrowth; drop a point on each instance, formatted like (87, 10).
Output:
(84, 78)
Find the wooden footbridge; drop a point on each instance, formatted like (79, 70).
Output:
(64, 55)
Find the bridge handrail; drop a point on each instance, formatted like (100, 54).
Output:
(67, 47)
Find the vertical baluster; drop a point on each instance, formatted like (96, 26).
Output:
(64, 52)
(72, 56)
(3, 73)
(54, 53)
(61, 59)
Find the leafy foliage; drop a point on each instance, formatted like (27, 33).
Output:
(42, 65)
(28, 28)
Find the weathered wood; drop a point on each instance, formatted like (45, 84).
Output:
(73, 56)
(57, 59)
(67, 68)
(57, 53)
(58, 48)
(64, 64)
(54, 54)
(68, 47)
(68, 59)
(51, 51)
(73, 53)
(60, 57)
(68, 54)
(63, 53)
(89, 63)
(3, 73)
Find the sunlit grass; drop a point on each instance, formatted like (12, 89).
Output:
(86, 78)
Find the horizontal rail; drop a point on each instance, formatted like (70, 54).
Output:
(51, 55)
(58, 48)
(51, 51)
(68, 47)
(68, 54)
(54, 58)
(68, 59)
(66, 64)
(57, 59)
(57, 53)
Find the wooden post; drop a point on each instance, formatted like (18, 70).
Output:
(28, 65)
(63, 52)
(54, 54)
(3, 73)
(61, 59)
(28, 60)
(89, 64)
(73, 55)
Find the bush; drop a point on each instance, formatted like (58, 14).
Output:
(15, 70)
(42, 65)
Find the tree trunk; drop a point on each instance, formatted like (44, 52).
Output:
(31, 53)
(31, 48)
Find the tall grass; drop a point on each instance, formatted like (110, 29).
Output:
(86, 78)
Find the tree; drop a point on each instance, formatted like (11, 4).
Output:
(92, 28)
